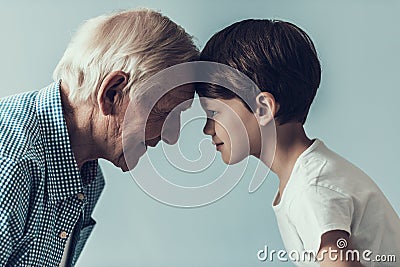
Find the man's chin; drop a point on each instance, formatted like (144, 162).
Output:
(132, 156)
(124, 166)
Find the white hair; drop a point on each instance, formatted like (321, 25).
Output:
(139, 42)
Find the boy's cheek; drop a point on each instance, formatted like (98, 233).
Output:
(237, 152)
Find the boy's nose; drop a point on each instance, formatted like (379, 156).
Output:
(209, 127)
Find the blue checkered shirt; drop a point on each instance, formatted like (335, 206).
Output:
(43, 194)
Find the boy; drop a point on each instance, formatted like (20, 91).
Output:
(324, 203)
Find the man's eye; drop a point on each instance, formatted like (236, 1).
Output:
(157, 115)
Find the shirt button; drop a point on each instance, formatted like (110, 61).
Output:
(63, 235)
(80, 196)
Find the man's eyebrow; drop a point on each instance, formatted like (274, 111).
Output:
(177, 108)
(186, 108)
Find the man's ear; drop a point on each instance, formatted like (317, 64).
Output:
(110, 92)
(266, 108)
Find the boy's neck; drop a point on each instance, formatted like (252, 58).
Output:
(291, 141)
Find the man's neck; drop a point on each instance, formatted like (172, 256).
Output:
(78, 118)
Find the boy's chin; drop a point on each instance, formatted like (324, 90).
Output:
(232, 161)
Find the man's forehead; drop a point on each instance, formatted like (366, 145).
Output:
(184, 91)
(180, 95)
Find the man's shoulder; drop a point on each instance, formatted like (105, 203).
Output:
(17, 110)
(19, 129)
(10, 170)
(17, 102)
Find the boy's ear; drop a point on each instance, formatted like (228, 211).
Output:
(110, 93)
(266, 108)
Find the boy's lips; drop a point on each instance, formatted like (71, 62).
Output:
(218, 145)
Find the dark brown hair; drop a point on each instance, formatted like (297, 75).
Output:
(278, 56)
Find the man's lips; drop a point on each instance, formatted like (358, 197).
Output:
(152, 142)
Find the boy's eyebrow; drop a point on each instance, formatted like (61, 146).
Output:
(207, 102)
(207, 106)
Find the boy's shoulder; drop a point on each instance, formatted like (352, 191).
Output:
(320, 166)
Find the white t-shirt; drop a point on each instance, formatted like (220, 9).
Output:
(325, 192)
(65, 256)
(67, 249)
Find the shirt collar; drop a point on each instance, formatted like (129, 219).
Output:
(63, 174)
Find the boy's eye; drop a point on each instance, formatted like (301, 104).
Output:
(211, 113)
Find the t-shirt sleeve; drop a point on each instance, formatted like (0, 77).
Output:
(320, 209)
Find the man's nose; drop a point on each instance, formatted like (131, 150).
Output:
(209, 127)
(171, 130)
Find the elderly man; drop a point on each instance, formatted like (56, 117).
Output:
(50, 139)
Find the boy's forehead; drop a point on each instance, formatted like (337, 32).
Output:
(234, 104)
(206, 101)
(211, 102)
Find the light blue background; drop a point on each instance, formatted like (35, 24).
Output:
(356, 113)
